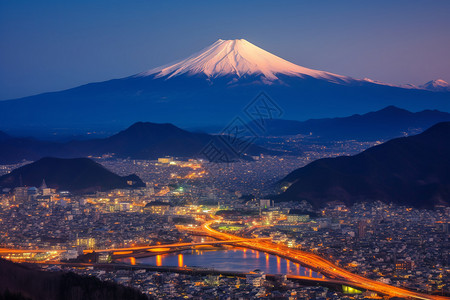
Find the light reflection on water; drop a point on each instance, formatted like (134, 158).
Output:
(235, 259)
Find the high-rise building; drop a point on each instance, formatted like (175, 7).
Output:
(265, 203)
(362, 229)
(21, 194)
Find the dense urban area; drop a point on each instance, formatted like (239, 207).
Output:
(396, 245)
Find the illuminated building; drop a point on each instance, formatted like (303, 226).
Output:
(350, 290)
(265, 203)
(404, 265)
(256, 278)
(157, 207)
(124, 206)
(21, 194)
(165, 160)
(296, 216)
(104, 258)
(45, 190)
(88, 243)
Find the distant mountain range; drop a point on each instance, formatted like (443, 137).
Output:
(78, 175)
(412, 171)
(139, 141)
(212, 87)
(387, 123)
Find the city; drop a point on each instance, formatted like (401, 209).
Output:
(384, 243)
(226, 150)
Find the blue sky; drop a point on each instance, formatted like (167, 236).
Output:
(54, 45)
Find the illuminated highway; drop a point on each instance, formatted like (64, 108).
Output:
(21, 251)
(325, 267)
(320, 264)
(236, 240)
(130, 250)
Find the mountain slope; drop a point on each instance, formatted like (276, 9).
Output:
(412, 171)
(211, 88)
(145, 140)
(239, 58)
(142, 140)
(437, 85)
(13, 150)
(30, 283)
(390, 122)
(75, 175)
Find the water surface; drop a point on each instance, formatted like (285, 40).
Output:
(233, 259)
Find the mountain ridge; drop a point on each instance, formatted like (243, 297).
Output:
(142, 140)
(410, 171)
(77, 175)
(27, 282)
(195, 99)
(387, 123)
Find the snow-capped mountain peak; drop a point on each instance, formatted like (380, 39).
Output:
(437, 85)
(239, 58)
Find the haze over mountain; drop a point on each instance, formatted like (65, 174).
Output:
(211, 87)
(142, 140)
(387, 123)
(411, 171)
(75, 175)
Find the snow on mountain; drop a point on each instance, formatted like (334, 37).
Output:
(239, 58)
(404, 86)
(437, 85)
(225, 76)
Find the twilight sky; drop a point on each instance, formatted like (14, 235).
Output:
(52, 45)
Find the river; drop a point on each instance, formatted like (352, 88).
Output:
(232, 259)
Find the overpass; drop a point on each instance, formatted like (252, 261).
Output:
(144, 251)
(176, 245)
(152, 247)
(335, 274)
(23, 251)
(140, 251)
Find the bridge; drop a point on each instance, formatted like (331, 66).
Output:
(176, 245)
(139, 251)
(145, 251)
(317, 263)
(23, 251)
(334, 273)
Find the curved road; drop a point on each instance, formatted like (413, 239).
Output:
(322, 265)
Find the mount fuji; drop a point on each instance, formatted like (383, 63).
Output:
(212, 87)
(239, 59)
